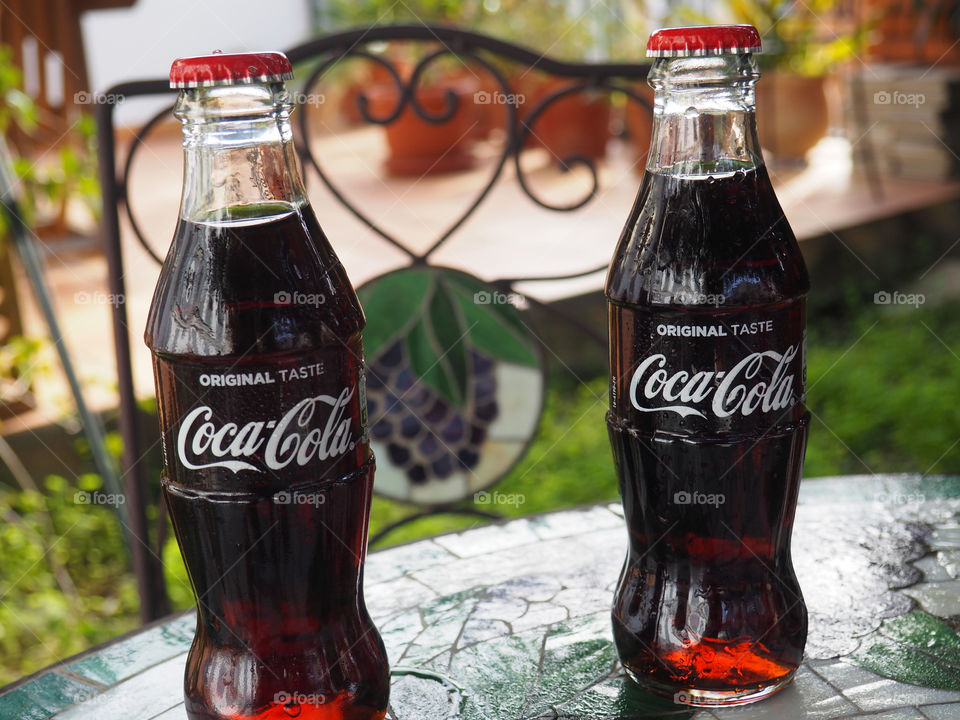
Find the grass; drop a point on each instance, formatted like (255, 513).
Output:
(882, 388)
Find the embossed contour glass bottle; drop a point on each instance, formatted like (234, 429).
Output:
(255, 333)
(707, 419)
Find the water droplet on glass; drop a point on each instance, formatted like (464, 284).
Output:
(691, 112)
(711, 180)
(292, 708)
(739, 175)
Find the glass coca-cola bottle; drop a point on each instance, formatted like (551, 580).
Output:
(707, 417)
(255, 333)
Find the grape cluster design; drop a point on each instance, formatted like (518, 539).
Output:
(425, 434)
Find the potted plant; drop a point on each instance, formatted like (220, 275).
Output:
(577, 124)
(800, 49)
(416, 146)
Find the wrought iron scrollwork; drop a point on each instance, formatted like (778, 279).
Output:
(571, 161)
(475, 51)
(567, 163)
(406, 95)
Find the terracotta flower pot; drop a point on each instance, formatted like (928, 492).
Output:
(418, 146)
(792, 113)
(576, 124)
(374, 74)
(486, 103)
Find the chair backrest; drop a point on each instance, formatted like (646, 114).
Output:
(455, 374)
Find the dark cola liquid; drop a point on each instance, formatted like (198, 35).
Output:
(708, 428)
(255, 330)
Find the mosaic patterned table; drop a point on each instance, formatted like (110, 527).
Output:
(512, 621)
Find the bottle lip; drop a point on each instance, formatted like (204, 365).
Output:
(704, 40)
(219, 69)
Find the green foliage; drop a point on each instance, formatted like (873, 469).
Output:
(64, 586)
(796, 36)
(613, 28)
(883, 397)
(346, 12)
(17, 107)
(22, 361)
(45, 187)
(569, 462)
(175, 575)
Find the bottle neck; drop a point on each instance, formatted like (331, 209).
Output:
(704, 119)
(239, 158)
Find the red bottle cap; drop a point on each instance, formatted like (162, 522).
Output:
(230, 69)
(702, 40)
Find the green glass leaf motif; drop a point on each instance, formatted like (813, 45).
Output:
(427, 362)
(493, 329)
(916, 648)
(437, 314)
(393, 303)
(477, 289)
(450, 331)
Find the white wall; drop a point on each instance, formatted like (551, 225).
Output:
(140, 42)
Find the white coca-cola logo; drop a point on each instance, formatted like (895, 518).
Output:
(741, 390)
(294, 438)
